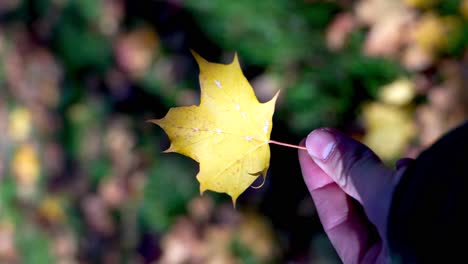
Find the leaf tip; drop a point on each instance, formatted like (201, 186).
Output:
(194, 53)
(275, 96)
(199, 59)
(234, 200)
(155, 121)
(235, 60)
(202, 189)
(270, 105)
(169, 150)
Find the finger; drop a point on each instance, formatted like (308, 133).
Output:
(345, 224)
(319, 178)
(343, 221)
(356, 170)
(404, 162)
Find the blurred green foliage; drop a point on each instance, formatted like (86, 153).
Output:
(262, 32)
(158, 206)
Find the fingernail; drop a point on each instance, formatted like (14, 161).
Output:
(320, 144)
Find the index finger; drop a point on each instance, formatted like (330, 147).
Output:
(343, 220)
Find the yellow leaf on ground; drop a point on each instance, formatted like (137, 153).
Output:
(399, 92)
(390, 129)
(228, 133)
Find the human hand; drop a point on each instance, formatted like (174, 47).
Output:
(352, 191)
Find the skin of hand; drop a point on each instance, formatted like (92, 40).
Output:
(352, 191)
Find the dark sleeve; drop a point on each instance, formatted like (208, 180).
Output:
(428, 218)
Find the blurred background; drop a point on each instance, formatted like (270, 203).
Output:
(82, 177)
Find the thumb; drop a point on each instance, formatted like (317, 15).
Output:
(356, 170)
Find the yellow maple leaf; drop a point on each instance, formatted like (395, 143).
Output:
(227, 134)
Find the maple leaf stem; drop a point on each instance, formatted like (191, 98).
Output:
(286, 144)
